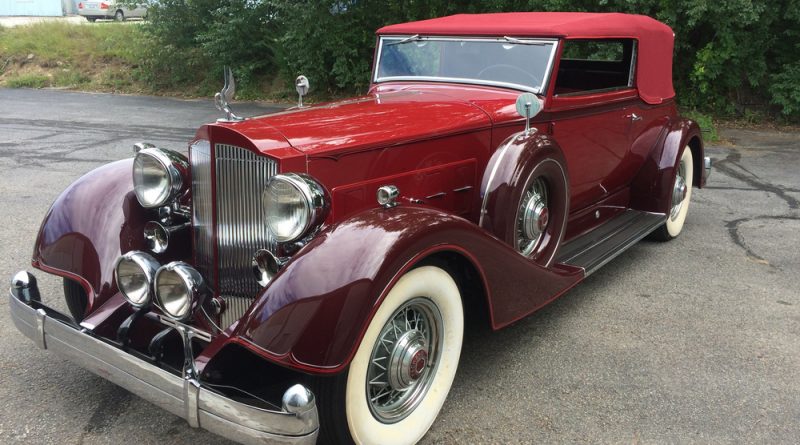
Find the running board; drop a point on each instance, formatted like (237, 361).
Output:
(601, 245)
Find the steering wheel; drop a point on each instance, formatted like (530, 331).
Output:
(504, 68)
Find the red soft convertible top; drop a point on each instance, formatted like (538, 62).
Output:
(655, 39)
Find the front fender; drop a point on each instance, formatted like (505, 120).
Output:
(88, 226)
(651, 189)
(314, 313)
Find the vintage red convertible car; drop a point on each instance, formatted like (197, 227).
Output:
(306, 274)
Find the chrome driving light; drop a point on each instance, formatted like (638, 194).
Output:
(178, 287)
(293, 205)
(135, 271)
(158, 176)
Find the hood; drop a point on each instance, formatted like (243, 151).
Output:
(372, 121)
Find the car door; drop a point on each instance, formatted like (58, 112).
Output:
(591, 116)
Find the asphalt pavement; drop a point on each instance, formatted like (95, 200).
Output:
(692, 341)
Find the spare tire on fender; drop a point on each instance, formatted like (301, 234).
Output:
(525, 196)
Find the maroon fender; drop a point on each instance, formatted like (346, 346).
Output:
(518, 160)
(314, 313)
(651, 189)
(88, 226)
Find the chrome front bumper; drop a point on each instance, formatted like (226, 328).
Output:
(296, 423)
(706, 168)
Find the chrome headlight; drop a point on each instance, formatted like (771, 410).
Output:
(158, 176)
(178, 286)
(293, 205)
(135, 272)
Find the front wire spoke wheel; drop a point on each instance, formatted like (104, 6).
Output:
(404, 360)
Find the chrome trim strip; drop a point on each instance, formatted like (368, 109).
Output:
(185, 398)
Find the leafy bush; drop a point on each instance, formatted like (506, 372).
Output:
(192, 40)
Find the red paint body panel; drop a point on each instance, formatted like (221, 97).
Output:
(88, 226)
(330, 289)
(369, 122)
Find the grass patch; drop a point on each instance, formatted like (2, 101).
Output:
(97, 57)
(28, 81)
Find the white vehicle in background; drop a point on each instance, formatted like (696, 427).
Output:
(110, 9)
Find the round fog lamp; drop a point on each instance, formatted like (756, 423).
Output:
(178, 286)
(134, 273)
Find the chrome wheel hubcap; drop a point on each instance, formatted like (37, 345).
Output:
(678, 192)
(404, 360)
(533, 217)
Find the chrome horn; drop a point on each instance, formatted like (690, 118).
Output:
(223, 98)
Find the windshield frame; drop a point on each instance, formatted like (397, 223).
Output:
(539, 89)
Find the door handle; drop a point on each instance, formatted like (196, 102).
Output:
(634, 117)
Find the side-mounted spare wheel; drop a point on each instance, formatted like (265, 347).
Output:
(541, 213)
(526, 196)
(681, 197)
(403, 368)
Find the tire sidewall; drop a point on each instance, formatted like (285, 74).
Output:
(675, 226)
(438, 286)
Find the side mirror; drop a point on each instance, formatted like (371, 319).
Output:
(302, 86)
(528, 106)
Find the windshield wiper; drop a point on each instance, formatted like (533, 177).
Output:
(523, 42)
(413, 38)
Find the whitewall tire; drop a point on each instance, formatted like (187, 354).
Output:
(681, 198)
(416, 333)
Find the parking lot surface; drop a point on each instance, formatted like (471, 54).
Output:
(692, 341)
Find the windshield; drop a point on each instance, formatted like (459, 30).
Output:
(505, 61)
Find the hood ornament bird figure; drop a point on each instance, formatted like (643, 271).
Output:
(223, 98)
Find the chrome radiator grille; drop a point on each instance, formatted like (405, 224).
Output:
(239, 180)
(202, 209)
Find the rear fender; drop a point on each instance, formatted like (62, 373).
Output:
(314, 313)
(651, 189)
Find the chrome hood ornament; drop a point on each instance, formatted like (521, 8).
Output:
(222, 99)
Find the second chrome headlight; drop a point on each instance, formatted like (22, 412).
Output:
(293, 205)
(158, 176)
